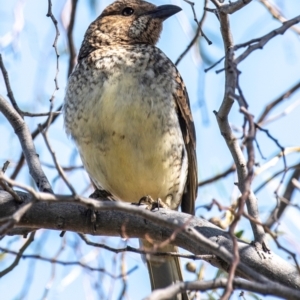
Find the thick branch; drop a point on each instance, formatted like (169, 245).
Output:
(118, 219)
(232, 7)
(28, 147)
(222, 118)
(270, 289)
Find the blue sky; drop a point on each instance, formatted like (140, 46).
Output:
(30, 61)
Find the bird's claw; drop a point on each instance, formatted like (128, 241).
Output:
(151, 203)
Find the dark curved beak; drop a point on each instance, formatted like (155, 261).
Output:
(163, 11)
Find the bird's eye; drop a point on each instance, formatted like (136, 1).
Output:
(127, 11)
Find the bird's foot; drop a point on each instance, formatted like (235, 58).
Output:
(151, 203)
(101, 195)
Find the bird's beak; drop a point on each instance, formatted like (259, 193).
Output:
(163, 11)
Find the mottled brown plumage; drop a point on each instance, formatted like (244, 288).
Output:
(128, 111)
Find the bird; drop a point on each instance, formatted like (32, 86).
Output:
(127, 109)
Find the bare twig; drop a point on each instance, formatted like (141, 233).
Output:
(45, 114)
(259, 43)
(72, 59)
(230, 170)
(57, 165)
(50, 14)
(7, 188)
(288, 194)
(267, 229)
(274, 160)
(276, 14)
(190, 232)
(256, 287)
(242, 200)
(275, 175)
(34, 134)
(124, 277)
(244, 170)
(222, 118)
(19, 255)
(296, 183)
(282, 151)
(66, 263)
(280, 246)
(283, 113)
(53, 269)
(66, 169)
(274, 103)
(232, 7)
(27, 145)
(192, 4)
(5, 166)
(215, 64)
(198, 31)
(144, 251)
(10, 93)
(12, 220)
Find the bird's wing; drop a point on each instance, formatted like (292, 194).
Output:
(189, 134)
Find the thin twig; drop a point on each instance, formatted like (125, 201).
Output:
(275, 238)
(213, 65)
(57, 165)
(230, 170)
(259, 43)
(283, 113)
(257, 287)
(144, 251)
(5, 166)
(274, 103)
(50, 14)
(10, 93)
(266, 131)
(45, 114)
(19, 255)
(53, 269)
(66, 169)
(276, 14)
(288, 194)
(232, 7)
(12, 220)
(67, 263)
(264, 183)
(23, 133)
(72, 59)
(266, 228)
(34, 134)
(198, 31)
(8, 189)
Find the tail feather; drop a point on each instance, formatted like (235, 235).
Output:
(164, 271)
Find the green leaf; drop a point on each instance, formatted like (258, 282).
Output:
(239, 234)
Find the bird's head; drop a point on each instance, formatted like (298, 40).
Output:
(127, 22)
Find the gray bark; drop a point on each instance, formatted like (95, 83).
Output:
(118, 219)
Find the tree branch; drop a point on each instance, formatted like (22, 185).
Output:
(256, 287)
(259, 43)
(119, 219)
(72, 59)
(27, 145)
(276, 14)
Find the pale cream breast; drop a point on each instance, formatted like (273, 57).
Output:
(135, 137)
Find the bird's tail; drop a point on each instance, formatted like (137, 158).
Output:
(164, 271)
